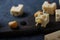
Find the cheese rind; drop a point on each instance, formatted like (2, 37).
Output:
(16, 11)
(53, 36)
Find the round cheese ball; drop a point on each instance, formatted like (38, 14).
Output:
(13, 24)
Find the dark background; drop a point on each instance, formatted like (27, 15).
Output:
(30, 7)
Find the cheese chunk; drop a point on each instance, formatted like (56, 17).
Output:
(57, 15)
(13, 24)
(53, 36)
(17, 10)
(42, 19)
(49, 8)
(38, 13)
